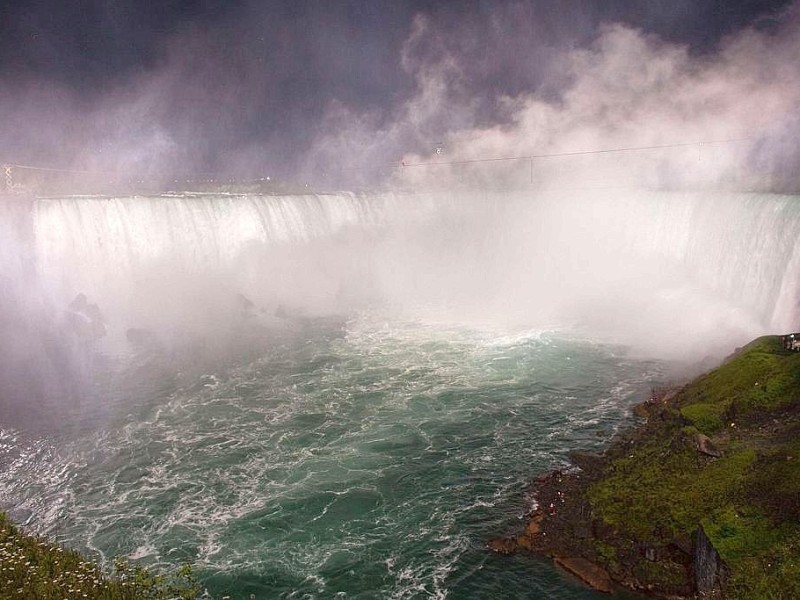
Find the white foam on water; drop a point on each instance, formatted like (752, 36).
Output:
(394, 438)
(142, 552)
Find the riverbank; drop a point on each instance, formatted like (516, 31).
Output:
(701, 498)
(35, 567)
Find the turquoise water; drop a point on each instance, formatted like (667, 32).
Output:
(369, 458)
(489, 333)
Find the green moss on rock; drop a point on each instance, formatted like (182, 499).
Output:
(657, 487)
(705, 417)
(762, 376)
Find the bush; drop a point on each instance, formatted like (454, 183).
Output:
(34, 568)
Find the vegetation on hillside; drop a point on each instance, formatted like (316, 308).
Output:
(34, 568)
(658, 488)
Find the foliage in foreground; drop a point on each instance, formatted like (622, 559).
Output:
(34, 568)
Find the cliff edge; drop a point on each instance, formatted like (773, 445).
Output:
(701, 500)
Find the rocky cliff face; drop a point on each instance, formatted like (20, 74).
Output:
(701, 499)
(710, 572)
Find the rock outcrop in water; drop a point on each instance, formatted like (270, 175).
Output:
(702, 499)
(85, 319)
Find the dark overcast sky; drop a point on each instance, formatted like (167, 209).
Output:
(221, 79)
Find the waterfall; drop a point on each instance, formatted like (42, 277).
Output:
(621, 263)
(659, 267)
(739, 247)
(95, 238)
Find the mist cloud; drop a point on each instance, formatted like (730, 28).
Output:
(343, 97)
(337, 96)
(628, 89)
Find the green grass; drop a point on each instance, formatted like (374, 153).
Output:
(760, 377)
(34, 568)
(649, 490)
(704, 416)
(748, 501)
(778, 471)
(772, 575)
(739, 536)
(637, 494)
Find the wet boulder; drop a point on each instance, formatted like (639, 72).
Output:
(704, 445)
(85, 319)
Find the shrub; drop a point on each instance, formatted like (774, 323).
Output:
(32, 567)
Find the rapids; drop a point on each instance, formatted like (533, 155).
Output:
(345, 395)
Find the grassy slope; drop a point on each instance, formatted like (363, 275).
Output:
(35, 568)
(659, 488)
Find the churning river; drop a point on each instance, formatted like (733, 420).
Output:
(345, 396)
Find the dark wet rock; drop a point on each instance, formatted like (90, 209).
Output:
(85, 319)
(582, 530)
(587, 461)
(140, 336)
(244, 302)
(704, 445)
(682, 545)
(710, 572)
(245, 306)
(502, 545)
(591, 574)
(656, 404)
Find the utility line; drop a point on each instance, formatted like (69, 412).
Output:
(93, 172)
(574, 153)
(57, 170)
(403, 164)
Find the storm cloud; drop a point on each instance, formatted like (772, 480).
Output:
(338, 95)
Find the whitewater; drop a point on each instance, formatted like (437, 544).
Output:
(345, 395)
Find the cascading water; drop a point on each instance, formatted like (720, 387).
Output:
(493, 254)
(343, 396)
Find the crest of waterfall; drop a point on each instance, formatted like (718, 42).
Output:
(740, 247)
(738, 250)
(627, 264)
